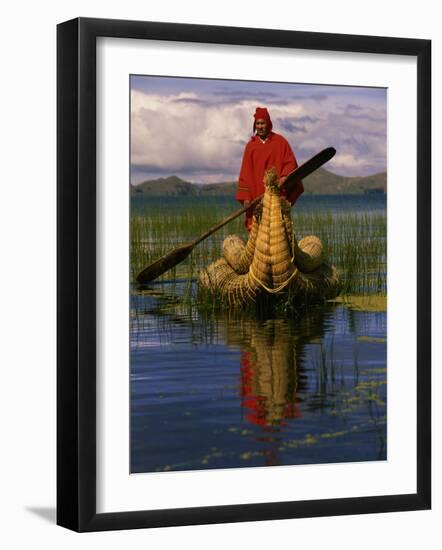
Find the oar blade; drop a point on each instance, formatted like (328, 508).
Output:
(164, 263)
(308, 167)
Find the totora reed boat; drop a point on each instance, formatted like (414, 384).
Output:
(272, 262)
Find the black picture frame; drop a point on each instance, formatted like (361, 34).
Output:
(76, 273)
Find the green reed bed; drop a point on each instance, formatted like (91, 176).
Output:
(157, 230)
(354, 242)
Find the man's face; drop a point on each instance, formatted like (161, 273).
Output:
(261, 127)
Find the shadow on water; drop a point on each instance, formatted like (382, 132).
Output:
(228, 390)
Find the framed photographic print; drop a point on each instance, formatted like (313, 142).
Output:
(243, 274)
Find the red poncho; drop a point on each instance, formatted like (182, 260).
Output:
(260, 156)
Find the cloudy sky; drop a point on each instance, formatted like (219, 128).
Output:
(197, 129)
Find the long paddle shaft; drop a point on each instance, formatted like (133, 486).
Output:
(177, 255)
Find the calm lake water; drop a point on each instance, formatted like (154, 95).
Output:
(306, 203)
(228, 391)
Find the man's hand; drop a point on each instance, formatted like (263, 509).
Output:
(247, 203)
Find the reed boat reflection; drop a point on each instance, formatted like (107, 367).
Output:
(271, 365)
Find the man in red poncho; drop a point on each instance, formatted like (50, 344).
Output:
(265, 150)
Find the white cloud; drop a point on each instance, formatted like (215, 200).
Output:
(172, 133)
(183, 133)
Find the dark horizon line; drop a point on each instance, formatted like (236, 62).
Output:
(235, 181)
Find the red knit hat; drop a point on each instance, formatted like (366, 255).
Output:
(261, 112)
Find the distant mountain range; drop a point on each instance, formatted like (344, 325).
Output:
(321, 182)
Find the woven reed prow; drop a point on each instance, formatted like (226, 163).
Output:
(271, 180)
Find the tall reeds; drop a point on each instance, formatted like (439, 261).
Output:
(354, 242)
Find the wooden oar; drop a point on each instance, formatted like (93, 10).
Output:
(177, 255)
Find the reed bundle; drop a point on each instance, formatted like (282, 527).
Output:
(272, 261)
